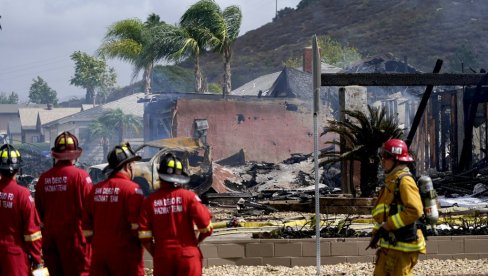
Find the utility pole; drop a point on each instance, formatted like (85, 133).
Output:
(276, 9)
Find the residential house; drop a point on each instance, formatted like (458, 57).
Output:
(79, 124)
(14, 131)
(8, 113)
(266, 129)
(10, 121)
(32, 120)
(269, 118)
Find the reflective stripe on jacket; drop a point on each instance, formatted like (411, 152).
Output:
(410, 209)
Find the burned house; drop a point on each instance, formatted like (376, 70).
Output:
(449, 129)
(276, 122)
(269, 119)
(266, 129)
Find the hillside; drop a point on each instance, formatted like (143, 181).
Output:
(421, 30)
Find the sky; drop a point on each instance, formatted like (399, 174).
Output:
(38, 36)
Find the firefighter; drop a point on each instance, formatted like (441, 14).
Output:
(396, 211)
(60, 195)
(167, 221)
(111, 217)
(20, 233)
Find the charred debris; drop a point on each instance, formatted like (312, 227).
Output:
(449, 134)
(261, 188)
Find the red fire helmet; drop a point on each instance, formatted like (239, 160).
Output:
(397, 149)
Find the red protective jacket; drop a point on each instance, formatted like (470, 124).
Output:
(60, 196)
(20, 232)
(111, 220)
(169, 215)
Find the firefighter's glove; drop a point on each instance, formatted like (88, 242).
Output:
(373, 243)
(39, 270)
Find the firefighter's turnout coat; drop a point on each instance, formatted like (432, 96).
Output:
(20, 232)
(409, 210)
(169, 215)
(111, 221)
(60, 197)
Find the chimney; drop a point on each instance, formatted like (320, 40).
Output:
(307, 59)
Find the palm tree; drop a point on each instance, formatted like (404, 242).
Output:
(126, 39)
(100, 131)
(362, 135)
(173, 43)
(217, 28)
(191, 46)
(117, 121)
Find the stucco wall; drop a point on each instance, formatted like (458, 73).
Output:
(266, 130)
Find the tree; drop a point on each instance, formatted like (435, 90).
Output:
(104, 132)
(214, 88)
(92, 73)
(41, 93)
(117, 121)
(217, 28)
(175, 43)
(362, 135)
(126, 40)
(191, 45)
(333, 52)
(163, 43)
(13, 98)
(463, 59)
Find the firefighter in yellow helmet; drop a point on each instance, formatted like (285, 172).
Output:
(60, 199)
(167, 221)
(396, 211)
(20, 233)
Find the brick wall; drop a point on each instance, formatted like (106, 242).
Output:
(265, 130)
(301, 252)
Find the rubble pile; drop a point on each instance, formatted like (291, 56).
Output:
(294, 173)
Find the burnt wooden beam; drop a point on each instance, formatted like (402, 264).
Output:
(422, 105)
(400, 79)
(436, 121)
(454, 149)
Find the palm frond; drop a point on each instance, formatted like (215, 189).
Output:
(233, 17)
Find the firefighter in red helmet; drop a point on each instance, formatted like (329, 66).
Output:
(20, 233)
(396, 211)
(60, 197)
(167, 221)
(111, 217)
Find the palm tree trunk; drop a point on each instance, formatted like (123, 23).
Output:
(121, 134)
(147, 76)
(227, 85)
(105, 143)
(198, 76)
(90, 96)
(369, 178)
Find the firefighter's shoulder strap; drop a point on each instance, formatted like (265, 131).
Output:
(420, 223)
(396, 193)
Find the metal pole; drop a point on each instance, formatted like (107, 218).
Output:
(316, 72)
(276, 10)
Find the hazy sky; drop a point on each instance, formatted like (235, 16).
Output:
(38, 36)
